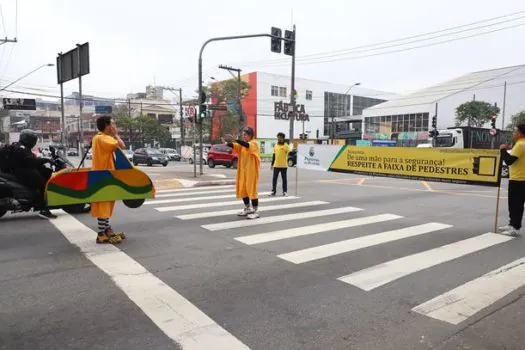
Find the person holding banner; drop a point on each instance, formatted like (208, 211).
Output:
(516, 192)
(280, 164)
(247, 171)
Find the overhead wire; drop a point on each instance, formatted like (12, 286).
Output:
(357, 48)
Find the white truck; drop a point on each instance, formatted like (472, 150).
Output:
(471, 137)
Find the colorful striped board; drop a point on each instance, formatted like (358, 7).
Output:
(76, 186)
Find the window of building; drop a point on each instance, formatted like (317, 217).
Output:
(275, 91)
(308, 95)
(361, 103)
(282, 91)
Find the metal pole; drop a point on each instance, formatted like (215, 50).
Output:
(504, 104)
(194, 144)
(80, 126)
(181, 122)
(292, 95)
(81, 130)
(63, 137)
(200, 70)
(241, 118)
(200, 120)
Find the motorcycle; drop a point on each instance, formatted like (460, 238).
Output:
(17, 198)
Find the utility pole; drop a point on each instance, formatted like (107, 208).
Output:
(239, 88)
(504, 104)
(6, 40)
(181, 121)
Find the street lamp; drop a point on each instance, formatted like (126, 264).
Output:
(333, 116)
(23, 76)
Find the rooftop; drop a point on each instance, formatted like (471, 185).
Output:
(437, 92)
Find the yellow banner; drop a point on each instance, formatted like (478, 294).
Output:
(463, 166)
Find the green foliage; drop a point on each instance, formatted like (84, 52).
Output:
(478, 112)
(516, 119)
(144, 129)
(224, 93)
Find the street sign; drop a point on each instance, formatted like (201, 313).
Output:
(493, 132)
(73, 63)
(25, 104)
(103, 109)
(191, 111)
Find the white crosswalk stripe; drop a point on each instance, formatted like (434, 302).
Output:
(381, 274)
(205, 198)
(453, 307)
(195, 189)
(261, 209)
(279, 218)
(188, 194)
(312, 229)
(464, 301)
(327, 250)
(221, 204)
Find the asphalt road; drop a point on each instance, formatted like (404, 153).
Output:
(345, 263)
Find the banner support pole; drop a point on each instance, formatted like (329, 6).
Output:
(296, 172)
(497, 209)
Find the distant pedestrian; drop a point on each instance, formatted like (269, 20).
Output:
(280, 164)
(248, 165)
(516, 192)
(103, 145)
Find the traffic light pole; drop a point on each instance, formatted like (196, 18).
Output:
(292, 96)
(200, 81)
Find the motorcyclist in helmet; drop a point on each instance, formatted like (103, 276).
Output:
(30, 170)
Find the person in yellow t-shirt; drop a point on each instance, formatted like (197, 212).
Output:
(248, 165)
(102, 147)
(280, 164)
(516, 192)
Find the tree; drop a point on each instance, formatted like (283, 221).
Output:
(478, 112)
(225, 93)
(516, 119)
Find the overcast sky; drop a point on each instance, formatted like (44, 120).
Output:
(135, 43)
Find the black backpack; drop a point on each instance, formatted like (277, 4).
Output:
(5, 153)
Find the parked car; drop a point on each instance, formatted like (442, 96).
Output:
(128, 154)
(222, 155)
(72, 152)
(292, 157)
(171, 153)
(149, 156)
(204, 158)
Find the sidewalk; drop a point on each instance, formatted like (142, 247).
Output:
(186, 179)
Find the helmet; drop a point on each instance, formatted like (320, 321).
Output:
(28, 138)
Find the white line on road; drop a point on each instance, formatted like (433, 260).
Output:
(221, 204)
(468, 299)
(261, 209)
(171, 312)
(205, 198)
(196, 189)
(187, 194)
(350, 245)
(389, 271)
(278, 218)
(312, 229)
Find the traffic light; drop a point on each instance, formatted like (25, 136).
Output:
(433, 133)
(493, 121)
(289, 46)
(276, 42)
(202, 111)
(434, 122)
